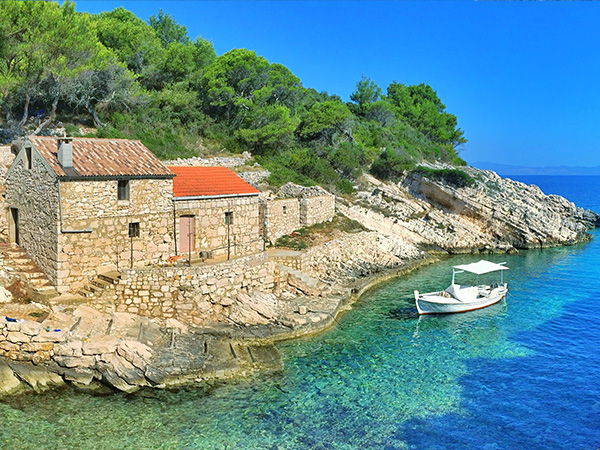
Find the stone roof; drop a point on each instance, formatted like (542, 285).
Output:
(295, 190)
(103, 158)
(208, 182)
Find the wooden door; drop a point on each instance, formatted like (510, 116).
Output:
(187, 234)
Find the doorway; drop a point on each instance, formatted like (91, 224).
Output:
(187, 234)
(14, 226)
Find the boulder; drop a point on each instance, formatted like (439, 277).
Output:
(5, 295)
(100, 345)
(9, 383)
(135, 353)
(40, 378)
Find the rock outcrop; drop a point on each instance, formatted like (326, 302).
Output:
(493, 214)
(93, 351)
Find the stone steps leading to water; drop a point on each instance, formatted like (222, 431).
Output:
(304, 282)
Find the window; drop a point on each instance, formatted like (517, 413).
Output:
(229, 218)
(123, 190)
(284, 209)
(134, 229)
(28, 162)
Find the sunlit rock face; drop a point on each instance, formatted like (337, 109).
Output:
(491, 214)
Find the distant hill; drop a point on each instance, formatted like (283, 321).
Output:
(506, 169)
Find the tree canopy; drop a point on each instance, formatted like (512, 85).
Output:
(125, 77)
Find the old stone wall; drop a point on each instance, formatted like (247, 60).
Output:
(316, 209)
(240, 237)
(6, 159)
(34, 193)
(230, 162)
(281, 217)
(93, 205)
(200, 294)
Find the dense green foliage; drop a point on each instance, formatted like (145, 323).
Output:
(149, 80)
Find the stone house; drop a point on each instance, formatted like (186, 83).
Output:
(295, 207)
(279, 217)
(216, 213)
(80, 206)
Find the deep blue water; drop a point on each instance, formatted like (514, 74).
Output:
(584, 191)
(523, 374)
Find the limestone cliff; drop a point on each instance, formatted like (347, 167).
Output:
(492, 214)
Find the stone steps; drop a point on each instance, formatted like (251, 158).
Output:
(305, 283)
(99, 283)
(36, 281)
(110, 277)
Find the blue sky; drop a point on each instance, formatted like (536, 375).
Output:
(522, 77)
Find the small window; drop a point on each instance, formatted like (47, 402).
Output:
(123, 190)
(284, 209)
(229, 218)
(134, 229)
(29, 162)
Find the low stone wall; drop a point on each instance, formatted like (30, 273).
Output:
(316, 205)
(196, 295)
(216, 161)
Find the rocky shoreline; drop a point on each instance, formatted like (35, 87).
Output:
(93, 351)
(408, 223)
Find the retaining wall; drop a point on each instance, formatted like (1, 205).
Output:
(197, 295)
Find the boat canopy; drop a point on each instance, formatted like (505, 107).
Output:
(481, 267)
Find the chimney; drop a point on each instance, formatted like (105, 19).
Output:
(65, 151)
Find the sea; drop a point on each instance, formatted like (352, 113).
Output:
(523, 374)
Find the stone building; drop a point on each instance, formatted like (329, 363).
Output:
(217, 213)
(295, 207)
(279, 216)
(80, 206)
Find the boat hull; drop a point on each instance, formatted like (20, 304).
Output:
(439, 305)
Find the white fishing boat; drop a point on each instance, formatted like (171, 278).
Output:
(456, 298)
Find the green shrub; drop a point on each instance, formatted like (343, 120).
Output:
(72, 130)
(287, 242)
(454, 177)
(344, 186)
(392, 163)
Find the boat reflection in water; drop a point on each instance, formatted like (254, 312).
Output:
(457, 323)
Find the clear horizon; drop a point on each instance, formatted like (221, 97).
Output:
(520, 76)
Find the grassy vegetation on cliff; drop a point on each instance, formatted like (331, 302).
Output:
(319, 233)
(128, 78)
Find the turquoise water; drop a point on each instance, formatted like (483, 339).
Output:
(522, 374)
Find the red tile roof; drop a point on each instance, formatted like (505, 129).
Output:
(103, 158)
(208, 181)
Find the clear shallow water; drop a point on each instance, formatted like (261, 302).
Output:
(523, 374)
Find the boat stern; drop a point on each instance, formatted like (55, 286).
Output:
(417, 302)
